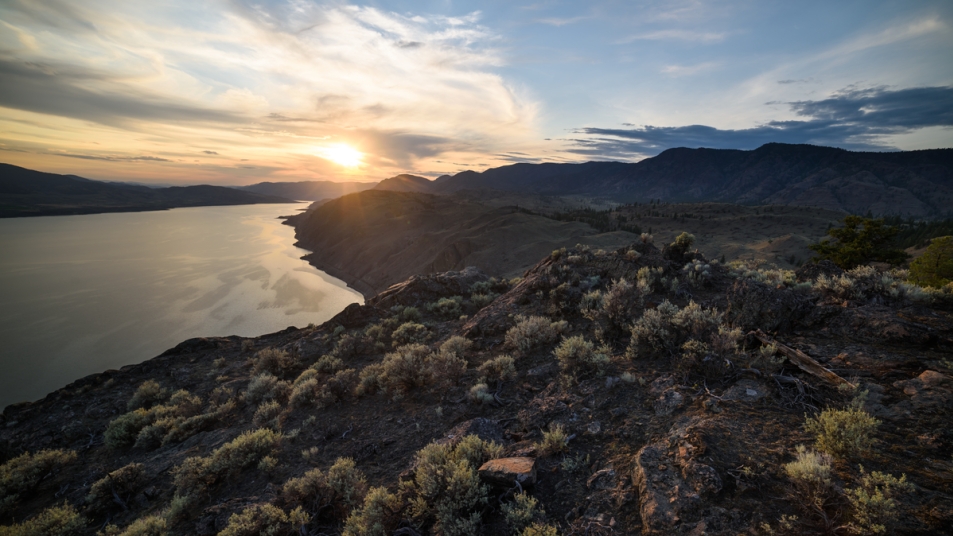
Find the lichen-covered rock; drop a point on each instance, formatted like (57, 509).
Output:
(506, 471)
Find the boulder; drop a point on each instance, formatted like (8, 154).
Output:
(505, 472)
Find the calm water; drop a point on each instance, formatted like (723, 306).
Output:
(81, 294)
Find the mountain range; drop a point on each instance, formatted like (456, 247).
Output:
(308, 190)
(25, 192)
(907, 183)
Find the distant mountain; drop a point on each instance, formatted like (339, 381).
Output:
(407, 183)
(909, 183)
(309, 190)
(24, 192)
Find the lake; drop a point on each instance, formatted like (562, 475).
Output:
(82, 294)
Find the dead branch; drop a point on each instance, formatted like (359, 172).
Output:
(802, 360)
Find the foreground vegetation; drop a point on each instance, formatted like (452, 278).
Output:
(657, 391)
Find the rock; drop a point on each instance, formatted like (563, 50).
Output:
(429, 288)
(669, 402)
(929, 392)
(507, 471)
(594, 427)
(355, 316)
(745, 389)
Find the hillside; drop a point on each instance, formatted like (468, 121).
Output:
(911, 183)
(308, 190)
(406, 183)
(376, 238)
(24, 192)
(688, 423)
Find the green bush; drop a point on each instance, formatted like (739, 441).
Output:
(272, 360)
(154, 525)
(554, 441)
(54, 521)
(874, 503)
(378, 516)
(409, 333)
(456, 345)
(404, 369)
(540, 529)
(327, 364)
(445, 368)
(198, 474)
(265, 519)
(21, 474)
(845, 432)
(860, 241)
(810, 474)
(120, 485)
(532, 332)
(935, 267)
(666, 328)
(445, 490)
(577, 355)
(148, 394)
(447, 307)
(266, 386)
(501, 368)
(268, 415)
(176, 420)
(520, 513)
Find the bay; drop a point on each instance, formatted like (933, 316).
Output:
(82, 294)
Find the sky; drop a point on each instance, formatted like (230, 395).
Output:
(236, 92)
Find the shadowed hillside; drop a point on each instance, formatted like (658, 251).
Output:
(308, 190)
(912, 183)
(24, 192)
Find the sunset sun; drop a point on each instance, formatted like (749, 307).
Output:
(342, 154)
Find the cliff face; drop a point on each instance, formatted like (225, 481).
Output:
(680, 425)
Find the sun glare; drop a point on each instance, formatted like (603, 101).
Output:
(342, 154)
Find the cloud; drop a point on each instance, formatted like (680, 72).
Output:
(210, 152)
(688, 70)
(561, 21)
(857, 119)
(676, 35)
(113, 158)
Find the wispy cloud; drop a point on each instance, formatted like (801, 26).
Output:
(855, 119)
(689, 70)
(676, 35)
(561, 21)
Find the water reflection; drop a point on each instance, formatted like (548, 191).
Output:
(81, 294)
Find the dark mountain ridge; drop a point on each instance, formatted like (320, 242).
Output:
(25, 192)
(308, 190)
(909, 183)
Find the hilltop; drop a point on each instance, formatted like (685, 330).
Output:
(308, 190)
(652, 391)
(24, 192)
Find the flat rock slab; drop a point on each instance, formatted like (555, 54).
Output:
(508, 471)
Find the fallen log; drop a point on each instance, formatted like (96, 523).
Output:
(802, 360)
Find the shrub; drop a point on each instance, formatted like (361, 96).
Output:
(873, 501)
(54, 521)
(520, 513)
(666, 328)
(935, 267)
(349, 484)
(378, 516)
(327, 364)
(532, 332)
(554, 441)
(409, 314)
(198, 474)
(697, 357)
(404, 369)
(21, 474)
(678, 248)
(859, 241)
(119, 486)
(445, 489)
(264, 519)
(500, 368)
(456, 345)
(409, 333)
(154, 525)
(148, 394)
(480, 394)
(268, 414)
(447, 307)
(843, 432)
(446, 367)
(811, 475)
(576, 354)
(482, 300)
(266, 386)
(310, 490)
(540, 529)
(272, 360)
(369, 381)
(652, 333)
